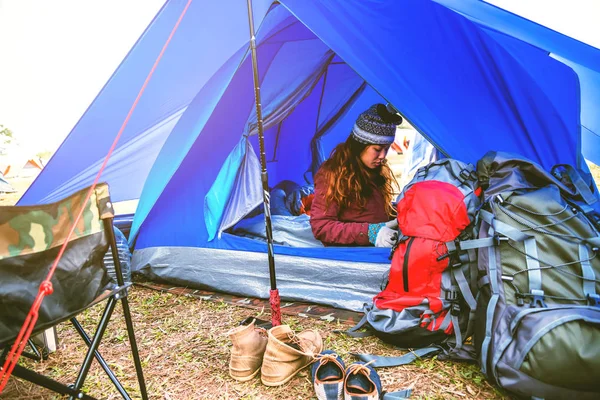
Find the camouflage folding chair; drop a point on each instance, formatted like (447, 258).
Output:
(30, 239)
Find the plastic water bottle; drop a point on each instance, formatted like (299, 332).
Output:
(124, 258)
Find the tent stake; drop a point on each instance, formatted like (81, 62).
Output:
(274, 293)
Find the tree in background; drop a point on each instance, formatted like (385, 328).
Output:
(44, 155)
(6, 135)
(6, 138)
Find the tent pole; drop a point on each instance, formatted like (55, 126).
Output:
(274, 293)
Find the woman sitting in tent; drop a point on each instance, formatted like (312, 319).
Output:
(354, 188)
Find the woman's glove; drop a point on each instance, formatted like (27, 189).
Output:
(384, 234)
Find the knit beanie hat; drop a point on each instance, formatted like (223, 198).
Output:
(377, 125)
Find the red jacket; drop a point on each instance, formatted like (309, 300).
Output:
(348, 226)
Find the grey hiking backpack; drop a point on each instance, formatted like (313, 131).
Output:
(538, 310)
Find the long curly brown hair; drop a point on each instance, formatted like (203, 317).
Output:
(349, 181)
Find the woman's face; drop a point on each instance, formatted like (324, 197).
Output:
(373, 155)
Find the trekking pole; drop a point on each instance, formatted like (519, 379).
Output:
(274, 293)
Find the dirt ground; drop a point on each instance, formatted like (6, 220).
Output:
(185, 352)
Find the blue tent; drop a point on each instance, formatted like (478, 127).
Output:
(469, 76)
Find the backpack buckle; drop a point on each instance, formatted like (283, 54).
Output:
(451, 295)
(459, 259)
(452, 248)
(499, 239)
(455, 309)
(537, 299)
(464, 235)
(593, 299)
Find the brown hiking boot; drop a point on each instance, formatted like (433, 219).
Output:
(247, 352)
(287, 353)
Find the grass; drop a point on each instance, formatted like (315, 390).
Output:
(185, 352)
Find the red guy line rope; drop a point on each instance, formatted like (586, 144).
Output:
(46, 285)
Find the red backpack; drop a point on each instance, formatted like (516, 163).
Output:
(429, 297)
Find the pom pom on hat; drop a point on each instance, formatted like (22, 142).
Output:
(377, 125)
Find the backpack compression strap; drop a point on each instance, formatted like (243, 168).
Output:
(352, 332)
(380, 361)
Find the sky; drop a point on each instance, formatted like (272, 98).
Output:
(56, 55)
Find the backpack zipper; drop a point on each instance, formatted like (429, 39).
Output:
(405, 264)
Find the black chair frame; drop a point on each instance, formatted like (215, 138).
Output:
(74, 391)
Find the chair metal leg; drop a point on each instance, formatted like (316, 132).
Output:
(89, 357)
(100, 359)
(36, 355)
(108, 226)
(74, 391)
(134, 348)
(31, 376)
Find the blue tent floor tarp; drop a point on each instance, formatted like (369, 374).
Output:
(341, 284)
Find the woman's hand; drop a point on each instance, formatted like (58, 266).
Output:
(388, 234)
